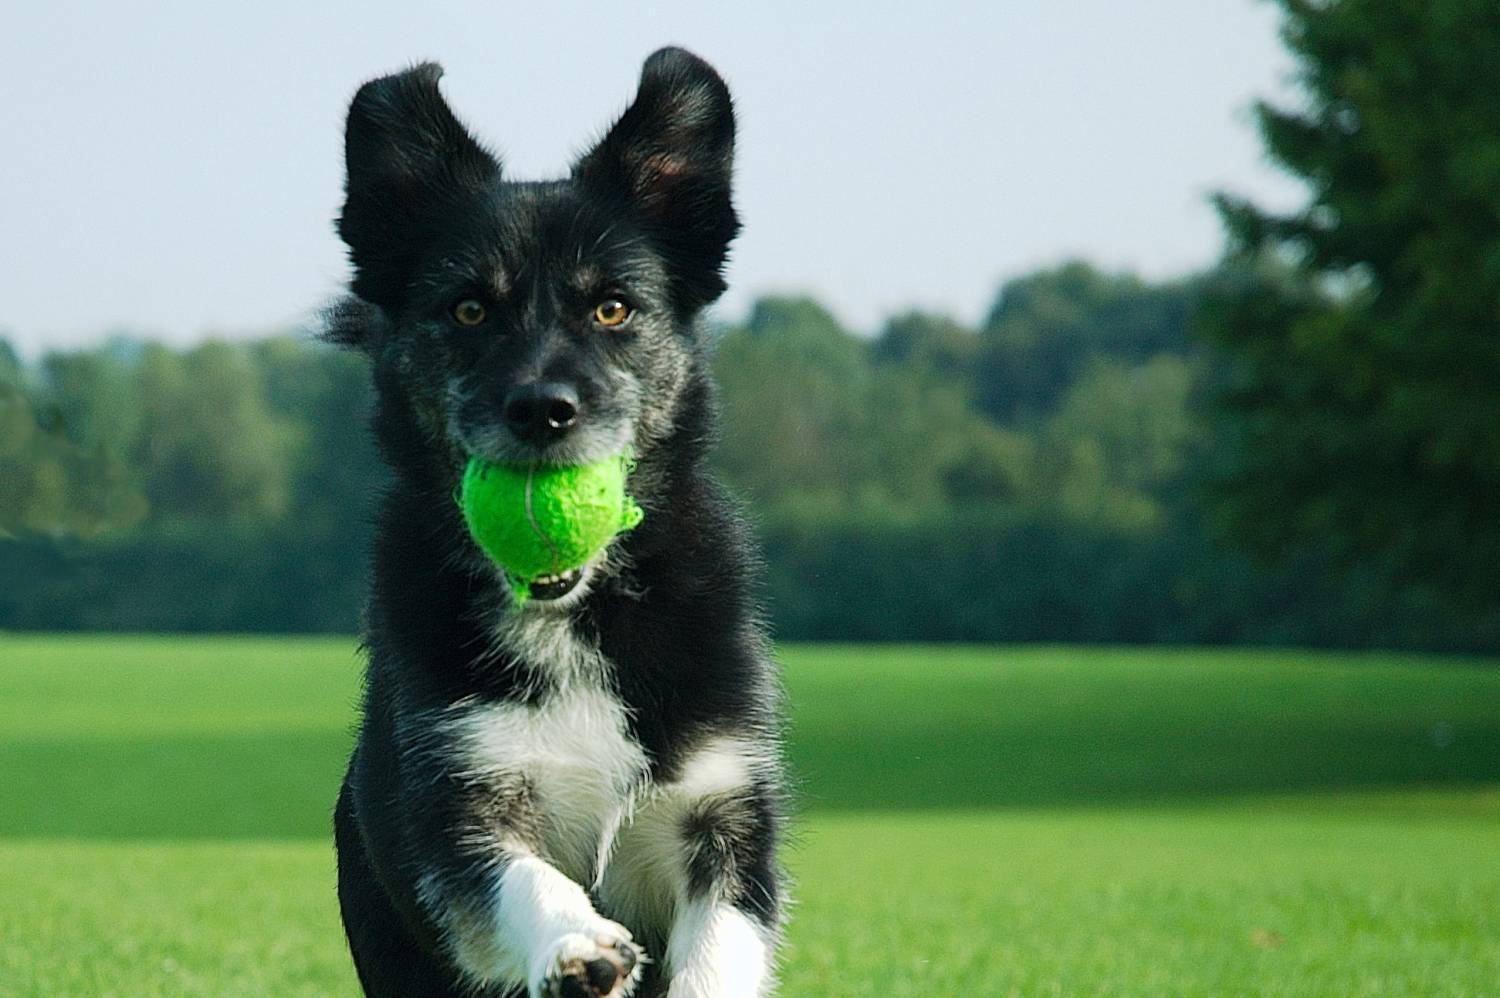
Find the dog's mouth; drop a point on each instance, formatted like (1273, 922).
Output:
(551, 587)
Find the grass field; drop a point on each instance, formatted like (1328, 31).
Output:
(972, 821)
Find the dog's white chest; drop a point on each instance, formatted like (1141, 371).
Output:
(575, 757)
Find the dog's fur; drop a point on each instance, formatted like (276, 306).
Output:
(579, 796)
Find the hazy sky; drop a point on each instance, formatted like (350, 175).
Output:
(172, 168)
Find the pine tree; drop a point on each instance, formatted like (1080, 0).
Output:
(1363, 401)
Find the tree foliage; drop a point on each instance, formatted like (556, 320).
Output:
(1046, 327)
(893, 503)
(820, 427)
(1363, 402)
(50, 483)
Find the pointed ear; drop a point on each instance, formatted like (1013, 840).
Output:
(671, 156)
(407, 158)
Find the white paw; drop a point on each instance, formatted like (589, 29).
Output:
(602, 964)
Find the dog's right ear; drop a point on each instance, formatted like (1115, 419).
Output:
(407, 158)
(671, 156)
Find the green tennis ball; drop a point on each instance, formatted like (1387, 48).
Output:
(541, 521)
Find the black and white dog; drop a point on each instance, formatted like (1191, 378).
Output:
(583, 795)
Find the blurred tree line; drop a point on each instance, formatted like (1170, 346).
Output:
(1036, 478)
(221, 487)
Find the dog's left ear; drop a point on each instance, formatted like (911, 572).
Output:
(671, 156)
(410, 162)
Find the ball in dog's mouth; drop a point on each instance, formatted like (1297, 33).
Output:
(549, 587)
(543, 525)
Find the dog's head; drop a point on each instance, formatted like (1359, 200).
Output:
(532, 322)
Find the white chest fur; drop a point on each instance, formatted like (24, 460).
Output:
(574, 754)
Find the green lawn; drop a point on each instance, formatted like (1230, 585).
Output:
(974, 821)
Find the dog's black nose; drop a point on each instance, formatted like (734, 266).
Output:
(541, 411)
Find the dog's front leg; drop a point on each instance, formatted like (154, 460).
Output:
(506, 915)
(719, 949)
(570, 949)
(727, 918)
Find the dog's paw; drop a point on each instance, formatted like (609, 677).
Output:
(605, 964)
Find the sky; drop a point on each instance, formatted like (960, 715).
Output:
(172, 169)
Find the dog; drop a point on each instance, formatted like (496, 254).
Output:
(583, 794)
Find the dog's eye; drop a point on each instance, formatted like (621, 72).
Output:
(611, 312)
(468, 312)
